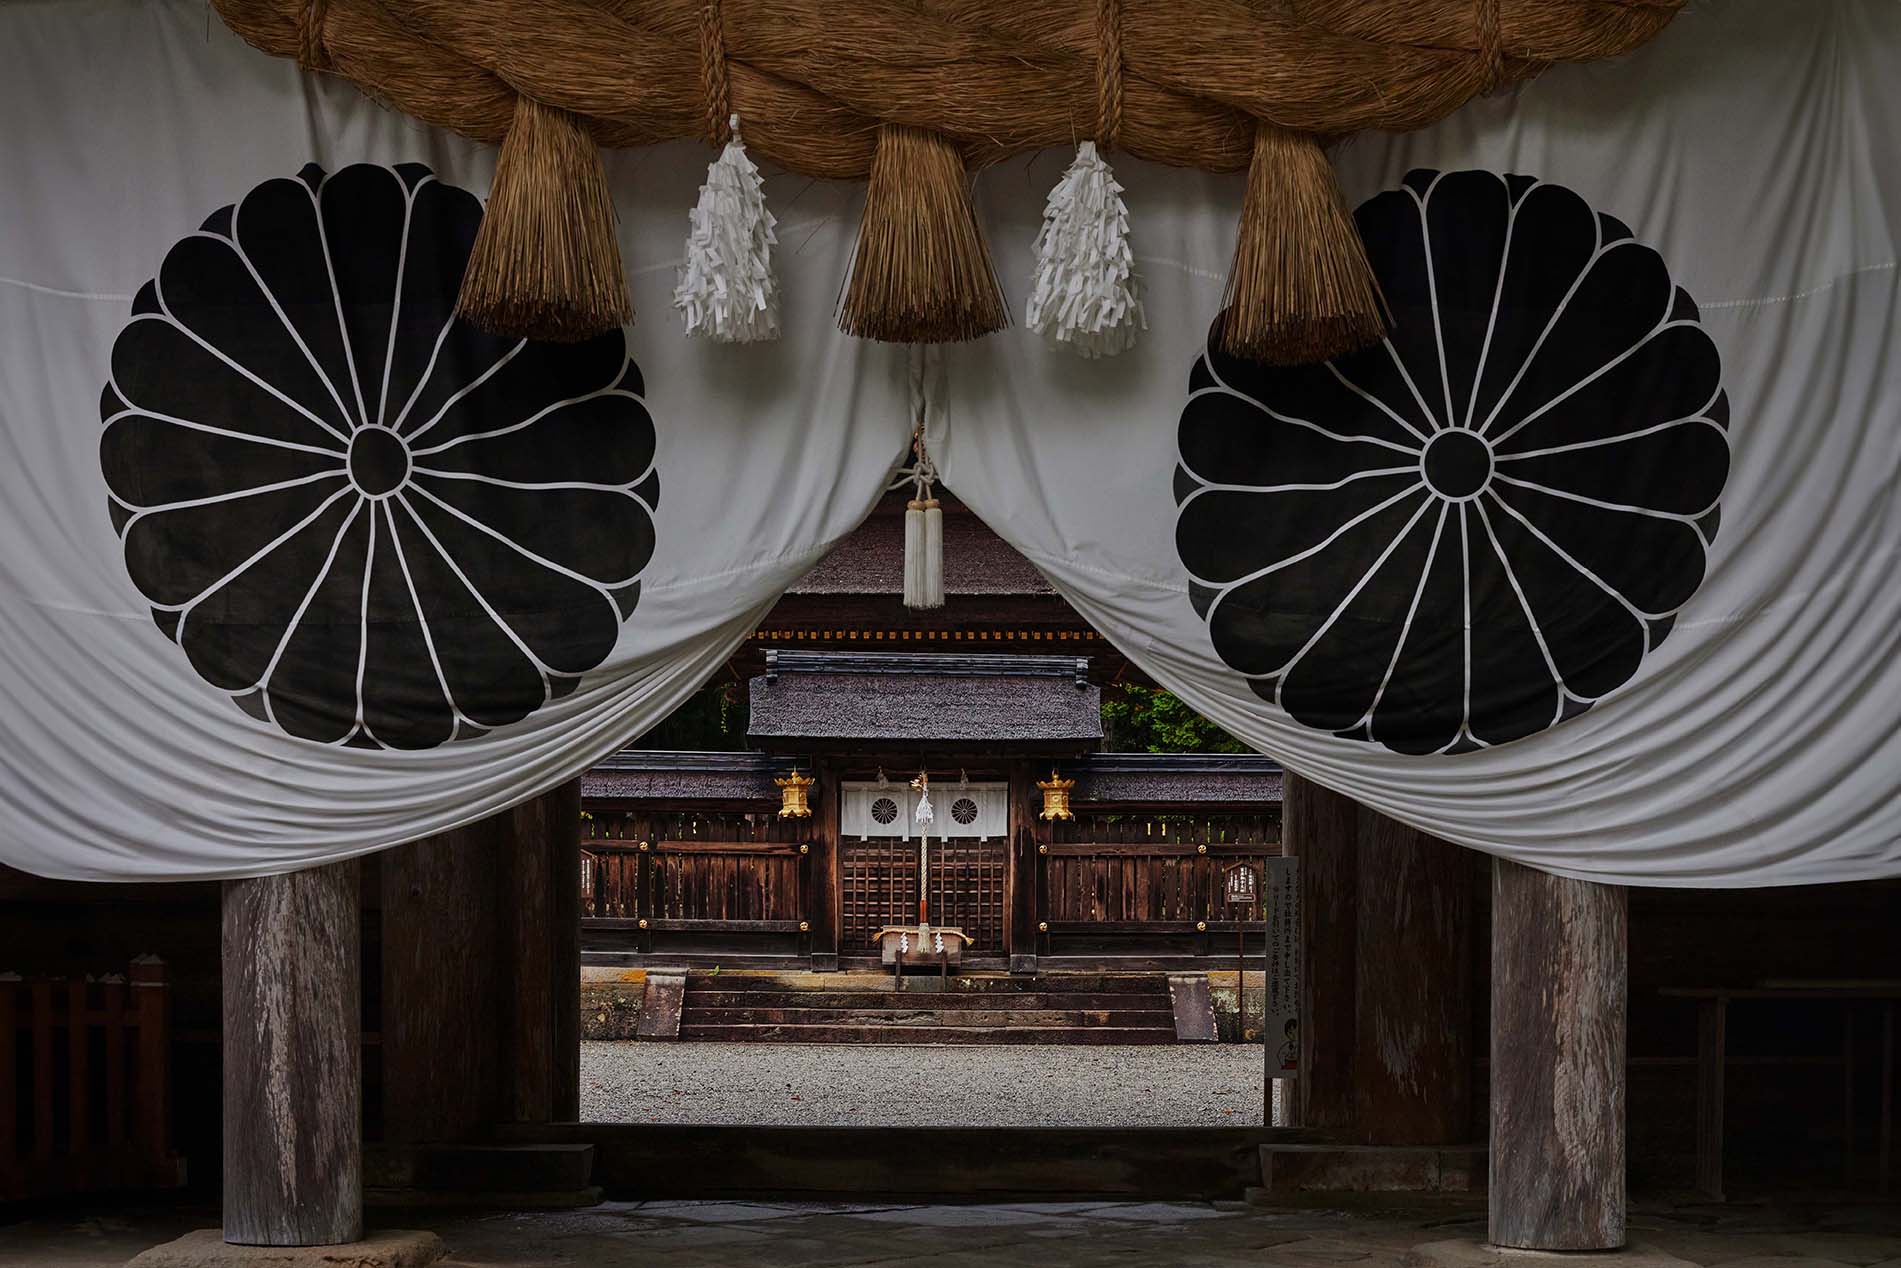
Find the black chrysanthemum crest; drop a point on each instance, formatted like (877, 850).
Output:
(1478, 528)
(369, 522)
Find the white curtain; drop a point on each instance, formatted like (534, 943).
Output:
(141, 601)
(1684, 670)
(1592, 566)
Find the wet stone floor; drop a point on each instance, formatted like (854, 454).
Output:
(1367, 1232)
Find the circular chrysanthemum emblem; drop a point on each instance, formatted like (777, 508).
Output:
(369, 522)
(1479, 527)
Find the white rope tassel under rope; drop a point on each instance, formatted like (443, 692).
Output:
(923, 534)
(728, 289)
(1086, 295)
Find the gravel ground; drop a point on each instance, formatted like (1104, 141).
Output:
(810, 1085)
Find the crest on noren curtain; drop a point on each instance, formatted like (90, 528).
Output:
(369, 522)
(1478, 528)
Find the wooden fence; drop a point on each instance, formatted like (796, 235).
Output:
(85, 1085)
(714, 873)
(1112, 876)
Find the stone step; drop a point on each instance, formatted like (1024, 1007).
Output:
(929, 1015)
(699, 998)
(925, 1034)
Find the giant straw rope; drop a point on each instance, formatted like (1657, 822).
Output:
(939, 87)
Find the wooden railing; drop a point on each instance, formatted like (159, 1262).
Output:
(85, 1087)
(1111, 876)
(695, 884)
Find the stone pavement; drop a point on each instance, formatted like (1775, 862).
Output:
(1368, 1232)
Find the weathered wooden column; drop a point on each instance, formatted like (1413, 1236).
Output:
(822, 898)
(1559, 982)
(1019, 886)
(541, 929)
(293, 1080)
(1318, 825)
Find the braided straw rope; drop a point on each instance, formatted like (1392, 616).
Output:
(1185, 83)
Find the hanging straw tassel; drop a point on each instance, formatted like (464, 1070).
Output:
(1086, 295)
(727, 287)
(1300, 289)
(546, 264)
(921, 272)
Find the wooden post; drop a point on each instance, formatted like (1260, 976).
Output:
(293, 1081)
(1320, 826)
(1413, 1068)
(822, 901)
(440, 1040)
(1559, 981)
(1020, 887)
(541, 929)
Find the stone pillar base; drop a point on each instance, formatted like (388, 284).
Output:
(206, 1248)
(1476, 1254)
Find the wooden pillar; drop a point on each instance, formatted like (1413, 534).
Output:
(1559, 983)
(440, 972)
(293, 1083)
(1412, 1064)
(823, 898)
(1320, 827)
(1020, 885)
(541, 928)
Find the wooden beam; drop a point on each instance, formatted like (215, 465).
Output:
(1559, 983)
(293, 1083)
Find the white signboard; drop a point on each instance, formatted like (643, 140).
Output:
(1281, 1022)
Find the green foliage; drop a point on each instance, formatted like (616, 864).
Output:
(712, 720)
(1149, 720)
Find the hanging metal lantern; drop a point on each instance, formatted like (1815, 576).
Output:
(1056, 797)
(794, 800)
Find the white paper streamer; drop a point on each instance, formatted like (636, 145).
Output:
(727, 288)
(1086, 295)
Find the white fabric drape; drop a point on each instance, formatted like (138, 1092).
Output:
(1760, 742)
(127, 125)
(1735, 725)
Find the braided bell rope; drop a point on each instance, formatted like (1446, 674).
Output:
(1164, 80)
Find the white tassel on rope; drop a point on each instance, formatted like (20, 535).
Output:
(727, 286)
(923, 554)
(923, 534)
(1086, 294)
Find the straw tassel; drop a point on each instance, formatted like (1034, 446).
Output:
(1086, 295)
(921, 272)
(1300, 289)
(728, 290)
(546, 264)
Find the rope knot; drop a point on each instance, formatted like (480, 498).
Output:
(311, 54)
(715, 84)
(1491, 55)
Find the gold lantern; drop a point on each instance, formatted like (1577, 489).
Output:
(794, 796)
(1056, 797)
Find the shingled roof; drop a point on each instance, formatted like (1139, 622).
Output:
(870, 559)
(1180, 779)
(679, 776)
(1039, 702)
